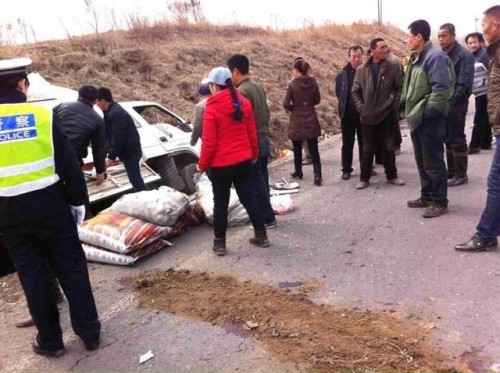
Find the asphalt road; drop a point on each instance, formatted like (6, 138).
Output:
(366, 248)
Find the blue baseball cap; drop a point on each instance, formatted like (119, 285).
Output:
(219, 75)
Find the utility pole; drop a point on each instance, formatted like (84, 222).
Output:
(475, 21)
(379, 6)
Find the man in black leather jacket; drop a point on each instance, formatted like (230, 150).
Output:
(83, 127)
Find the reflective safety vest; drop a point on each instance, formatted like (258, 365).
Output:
(26, 149)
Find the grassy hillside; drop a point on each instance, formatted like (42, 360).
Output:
(164, 63)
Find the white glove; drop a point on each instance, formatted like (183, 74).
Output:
(78, 213)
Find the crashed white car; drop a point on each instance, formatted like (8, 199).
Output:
(168, 157)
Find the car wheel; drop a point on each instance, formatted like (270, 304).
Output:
(187, 174)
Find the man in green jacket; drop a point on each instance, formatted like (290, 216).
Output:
(428, 87)
(239, 65)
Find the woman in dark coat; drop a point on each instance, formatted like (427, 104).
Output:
(302, 95)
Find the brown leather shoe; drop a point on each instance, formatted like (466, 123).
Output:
(362, 184)
(51, 353)
(396, 181)
(219, 247)
(417, 203)
(25, 323)
(433, 211)
(476, 245)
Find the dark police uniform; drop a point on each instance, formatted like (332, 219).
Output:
(37, 221)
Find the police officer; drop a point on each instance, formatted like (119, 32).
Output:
(42, 191)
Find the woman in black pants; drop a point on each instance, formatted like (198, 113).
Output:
(302, 95)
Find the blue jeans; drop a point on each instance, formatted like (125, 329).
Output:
(133, 168)
(241, 176)
(428, 139)
(489, 224)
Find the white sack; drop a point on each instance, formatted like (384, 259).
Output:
(236, 214)
(161, 207)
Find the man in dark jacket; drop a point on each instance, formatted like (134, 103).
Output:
(122, 137)
(83, 127)
(376, 92)
(488, 229)
(481, 133)
(349, 117)
(42, 191)
(456, 142)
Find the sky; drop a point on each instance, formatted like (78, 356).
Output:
(53, 19)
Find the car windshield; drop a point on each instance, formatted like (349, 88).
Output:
(155, 115)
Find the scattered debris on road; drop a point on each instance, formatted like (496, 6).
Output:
(145, 357)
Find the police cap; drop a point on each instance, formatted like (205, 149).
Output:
(14, 68)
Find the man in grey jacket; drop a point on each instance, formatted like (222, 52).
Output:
(376, 92)
(456, 143)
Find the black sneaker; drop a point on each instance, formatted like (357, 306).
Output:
(270, 225)
(346, 175)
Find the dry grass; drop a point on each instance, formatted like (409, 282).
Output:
(162, 61)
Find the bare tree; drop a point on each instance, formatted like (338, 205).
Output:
(185, 11)
(70, 38)
(91, 8)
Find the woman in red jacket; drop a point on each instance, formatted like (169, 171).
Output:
(229, 146)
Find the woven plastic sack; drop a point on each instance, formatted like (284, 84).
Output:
(161, 207)
(119, 233)
(192, 217)
(95, 254)
(236, 213)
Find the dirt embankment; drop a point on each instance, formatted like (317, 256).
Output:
(165, 63)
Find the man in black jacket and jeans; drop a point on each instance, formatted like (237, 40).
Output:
(122, 137)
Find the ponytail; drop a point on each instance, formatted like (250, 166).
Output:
(237, 114)
(302, 66)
